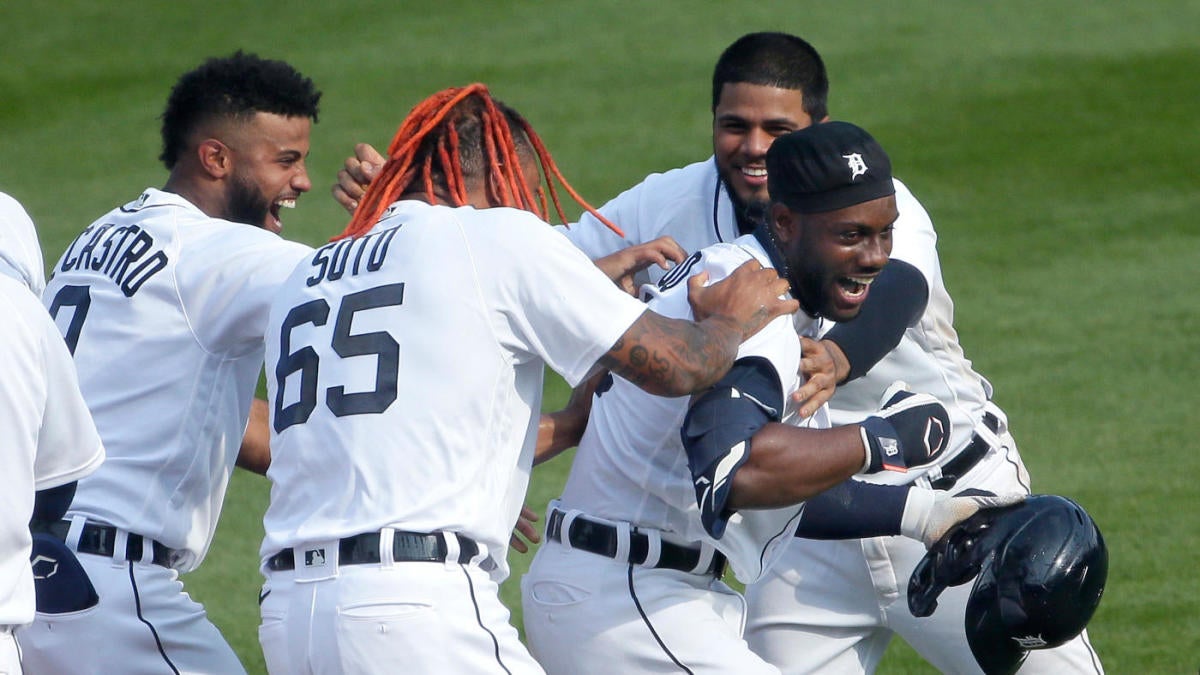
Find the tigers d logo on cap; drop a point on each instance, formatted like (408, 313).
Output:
(826, 167)
(857, 166)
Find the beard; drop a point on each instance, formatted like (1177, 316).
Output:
(246, 204)
(749, 214)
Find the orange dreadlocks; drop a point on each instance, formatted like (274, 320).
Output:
(427, 154)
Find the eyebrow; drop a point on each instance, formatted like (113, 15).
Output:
(767, 122)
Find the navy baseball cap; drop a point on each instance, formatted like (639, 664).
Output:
(826, 167)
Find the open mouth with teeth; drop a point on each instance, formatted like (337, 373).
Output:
(274, 224)
(754, 175)
(854, 288)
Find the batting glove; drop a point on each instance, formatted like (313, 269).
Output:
(910, 429)
(929, 514)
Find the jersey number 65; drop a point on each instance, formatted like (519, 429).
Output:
(306, 361)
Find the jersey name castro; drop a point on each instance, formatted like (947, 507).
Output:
(126, 254)
(164, 309)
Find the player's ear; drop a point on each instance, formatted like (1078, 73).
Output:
(785, 222)
(215, 157)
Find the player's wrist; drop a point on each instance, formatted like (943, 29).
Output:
(841, 364)
(866, 444)
(725, 330)
(882, 445)
(918, 510)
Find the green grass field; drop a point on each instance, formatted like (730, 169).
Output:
(1054, 143)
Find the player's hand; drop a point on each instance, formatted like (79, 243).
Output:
(819, 368)
(929, 514)
(359, 171)
(910, 430)
(751, 297)
(526, 529)
(624, 264)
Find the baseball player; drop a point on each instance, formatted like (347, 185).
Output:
(910, 310)
(47, 437)
(163, 302)
(765, 85)
(405, 366)
(662, 493)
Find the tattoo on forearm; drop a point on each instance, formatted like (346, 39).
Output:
(672, 356)
(639, 356)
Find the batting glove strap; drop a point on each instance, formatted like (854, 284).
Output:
(882, 445)
(910, 430)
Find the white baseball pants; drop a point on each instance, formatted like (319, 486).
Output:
(587, 614)
(403, 617)
(144, 623)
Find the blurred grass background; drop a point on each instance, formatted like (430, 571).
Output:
(1053, 142)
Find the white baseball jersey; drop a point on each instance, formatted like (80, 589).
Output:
(47, 437)
(405, 372)
(690, 204)
(631, 465)
(165, 310)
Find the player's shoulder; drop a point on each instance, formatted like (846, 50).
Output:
(493, 236)
(507, 229)
(695, 180)
(717, 260)
(909, 207)
(173, 215)
(10, 208)
(415, 213)
(721, 259)
(217, 242)
(20, 249)
(684, 176)
(21, 308)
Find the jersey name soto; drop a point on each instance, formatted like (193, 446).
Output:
(124, 253)
(351, 256)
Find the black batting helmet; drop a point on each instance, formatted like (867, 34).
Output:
(1039, 568)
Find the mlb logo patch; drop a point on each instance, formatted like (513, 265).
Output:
(890, 446)
(314, 557)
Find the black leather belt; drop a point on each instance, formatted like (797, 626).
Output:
(966, 460)
(363, 549)
(102, 539)
(601, 539)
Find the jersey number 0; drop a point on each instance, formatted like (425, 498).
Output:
(305, 360)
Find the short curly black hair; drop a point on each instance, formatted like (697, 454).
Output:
(236, 86)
